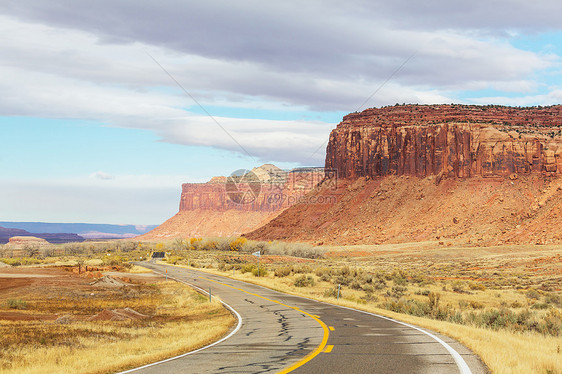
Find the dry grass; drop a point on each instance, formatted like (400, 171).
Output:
(502, 302)
(180, 320)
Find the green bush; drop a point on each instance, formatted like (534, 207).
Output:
(283, 271)
(304, 281)
(16, 304)
(533, 294)
(259, 272)
(248, 268)
(333, 292)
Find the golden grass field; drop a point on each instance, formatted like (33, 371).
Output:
(33, 341)
(504, 302)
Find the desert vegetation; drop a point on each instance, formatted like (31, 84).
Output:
(502, 302)
(64, 322)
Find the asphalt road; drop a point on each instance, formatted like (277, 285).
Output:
(280, 333)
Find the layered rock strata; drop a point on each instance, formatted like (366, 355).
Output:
(447, 140)
(230, 206)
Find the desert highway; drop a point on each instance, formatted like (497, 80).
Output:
(280, 333)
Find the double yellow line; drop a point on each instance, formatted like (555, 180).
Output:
(312, 354)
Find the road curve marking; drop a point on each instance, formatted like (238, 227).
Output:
(238, 326)
(331, 328)
(312, 354)
(328, 348)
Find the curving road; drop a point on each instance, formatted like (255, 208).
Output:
(280, 333)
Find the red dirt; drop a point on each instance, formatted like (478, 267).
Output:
(20, 316)
(33, 283)
(402, 209)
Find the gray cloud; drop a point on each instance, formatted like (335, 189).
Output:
(87, 60)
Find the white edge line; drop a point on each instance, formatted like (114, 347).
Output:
(237, 315)
(461, 363)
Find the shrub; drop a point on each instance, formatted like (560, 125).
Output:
(323, 271)
(355, 285)
(399, 277)
(533, 294)
(477, 286)
(16, 304)
(223, 266)
(259, 272)
(283, 271)
(554, 299)
(303, 269)
(434, 298)
(397, 291)
(237, 244)
(552, 323)
(343, 280)
(194, 243)
(332, 292)
(173, 259)
(304, 281)
(294, 249)
(248, 268)
(379, 283)
(458, 286)
(540, 306)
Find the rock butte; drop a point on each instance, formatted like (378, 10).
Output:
(449, 173)
(231, 206)
(447, 140)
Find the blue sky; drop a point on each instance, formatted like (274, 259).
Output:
(94, 130)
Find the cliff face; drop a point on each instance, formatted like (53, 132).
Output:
(447, 140)
(443, 173)
(261, 194)
(230, 206)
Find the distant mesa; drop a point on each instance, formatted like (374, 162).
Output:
(70, 232)
(21, 242)
(7, 233)
(230, 206)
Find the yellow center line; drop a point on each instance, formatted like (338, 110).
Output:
(312, 354)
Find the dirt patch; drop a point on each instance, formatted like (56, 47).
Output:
(3, 265)
(20, 316)
(118, 315)
(9, 283)
(108, 282)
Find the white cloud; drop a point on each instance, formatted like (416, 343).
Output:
(101, 175)
(72, 62)
(553, 97)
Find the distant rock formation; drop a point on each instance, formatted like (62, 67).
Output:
(6, 234)
(230, 206)
(22, 242)
(447, 140)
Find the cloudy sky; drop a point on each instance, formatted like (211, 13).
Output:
(109, 105)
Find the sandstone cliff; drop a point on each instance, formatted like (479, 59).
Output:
(444, 173)
(447, 140)
(230, 206)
